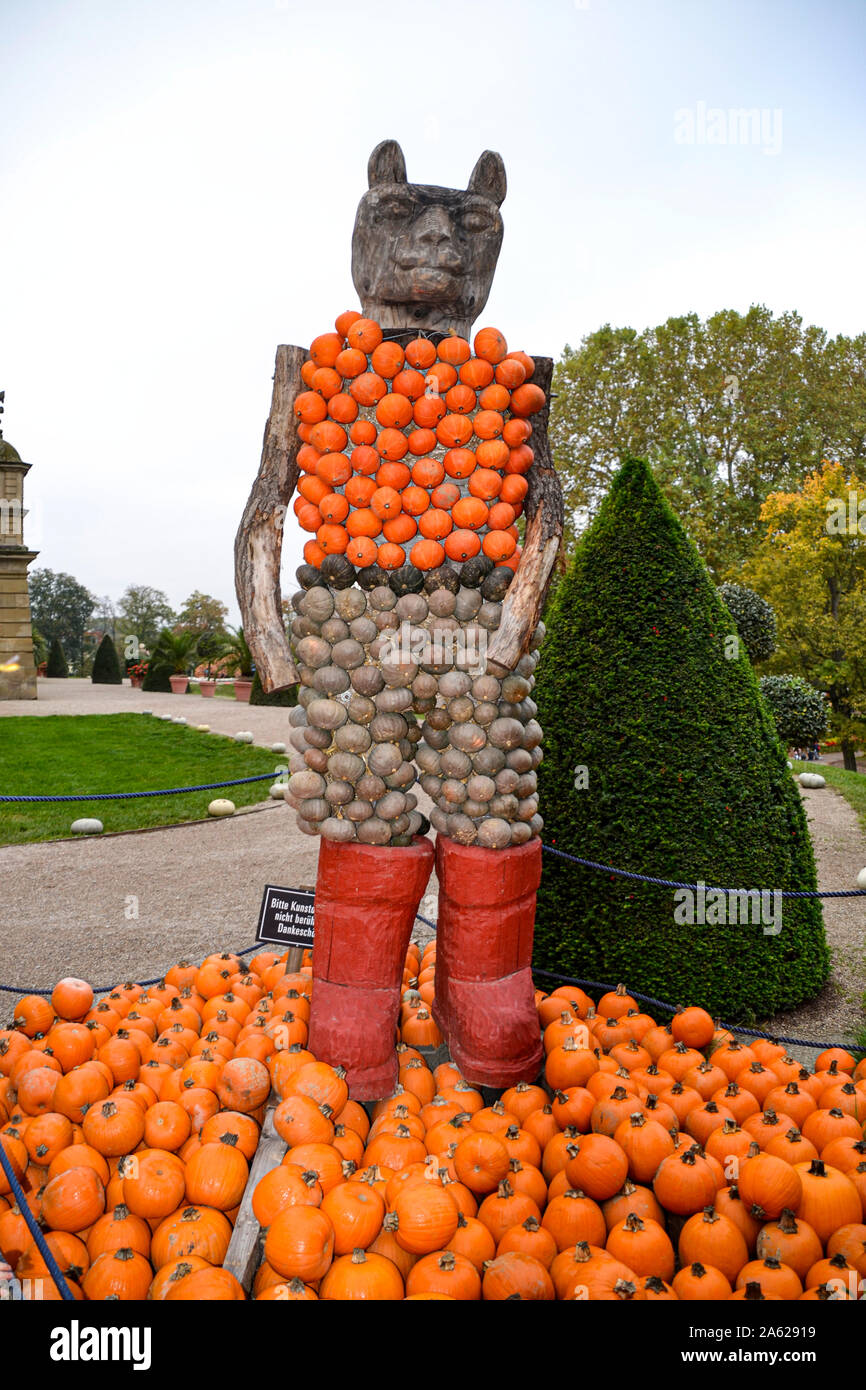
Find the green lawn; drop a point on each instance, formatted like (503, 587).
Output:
(66, 754)
(852, 785)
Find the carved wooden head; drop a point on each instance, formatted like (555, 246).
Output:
(423, 257)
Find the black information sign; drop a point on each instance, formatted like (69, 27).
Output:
(286, 918)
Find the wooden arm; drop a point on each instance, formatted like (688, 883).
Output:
(259, 541)
(524, 600)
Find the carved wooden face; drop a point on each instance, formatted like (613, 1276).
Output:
(423, 257)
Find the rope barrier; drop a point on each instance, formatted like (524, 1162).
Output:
(706, 887)
(672, 1008)
(167, 791)
(33, 1226)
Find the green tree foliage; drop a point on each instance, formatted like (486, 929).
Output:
(57, 667)
(235, 654)
(144, 611)
(61, 608)
(726, 410)
(754, 618)
(176, 649)
(811, 566)
(106, 667)
(206, 616)
(661, 758)
(800, 712)
(203, 612)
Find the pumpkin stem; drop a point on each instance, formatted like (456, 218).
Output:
(788, 1223)
(359, 1257)
(447, 1261)
(754, 1292)
(505, 1189)
(698, 1270)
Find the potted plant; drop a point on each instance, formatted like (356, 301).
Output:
(175, 650)
(237, 656)
(137, 672)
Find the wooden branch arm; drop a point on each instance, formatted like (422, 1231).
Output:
(259, 541)
(524, 600)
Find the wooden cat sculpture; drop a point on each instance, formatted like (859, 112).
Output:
(413, 464)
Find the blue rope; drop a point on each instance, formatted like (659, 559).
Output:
(42, 1245)
(709, 888)
(672, 1008)
(128, 796)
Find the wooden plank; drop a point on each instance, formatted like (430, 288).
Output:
(259, 540)
(243, 1256)
(525, 598)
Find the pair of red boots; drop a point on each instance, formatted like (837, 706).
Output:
(366, 901)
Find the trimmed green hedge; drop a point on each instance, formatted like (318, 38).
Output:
(106, 667)
(56, 666)
(287, 698)
(686, 777)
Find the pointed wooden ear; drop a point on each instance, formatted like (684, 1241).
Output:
(488, 177)
(387, 164)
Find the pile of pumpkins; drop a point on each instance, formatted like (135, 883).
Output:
(649, 1162)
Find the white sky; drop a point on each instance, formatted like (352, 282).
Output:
(179, 183)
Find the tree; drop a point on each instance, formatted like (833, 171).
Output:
(202, 612)
(811, 566)
(61, 608)
(799, 711)
(754, 619)
(236, 654)
(726, 410)
(57, 667)
(104, 615)
(144, 612)
(106, 667)
(206, 616)
(662, 759)
(176, 650)
(40, 648)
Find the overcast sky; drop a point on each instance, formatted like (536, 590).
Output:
(180, 178)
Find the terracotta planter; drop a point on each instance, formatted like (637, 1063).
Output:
(242, 690)
(178, 684)
(206, 688)
(136, 682)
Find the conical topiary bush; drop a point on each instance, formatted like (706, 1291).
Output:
(661, 758)
(106, 667)
(56, 665)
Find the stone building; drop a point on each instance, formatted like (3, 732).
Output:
(17, 670)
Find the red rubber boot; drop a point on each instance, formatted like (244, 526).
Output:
(366, 900)
(485, 997)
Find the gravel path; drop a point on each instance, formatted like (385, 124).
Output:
(67, 907)
(837, 1013)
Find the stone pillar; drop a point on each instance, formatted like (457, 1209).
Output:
(17, 668)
